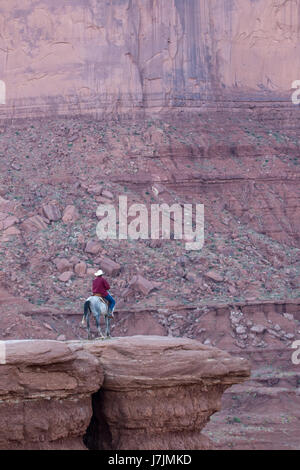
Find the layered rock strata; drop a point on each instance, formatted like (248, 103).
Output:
(45, 394)
(158, 392)
(112, 56)
(127, 393)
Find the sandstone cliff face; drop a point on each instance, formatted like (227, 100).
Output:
(98, 55)
(45, 394)
(158, 392)
(148, 393)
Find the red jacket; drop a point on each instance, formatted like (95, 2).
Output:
(100, 286)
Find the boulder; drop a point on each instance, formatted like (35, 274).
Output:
(70, 214)
(61, 338)
(92, 247)
(158, 189)
(102, 200)
(65, 276)
(10, 232)
(15, 166)
(192, 277)
(107, 194)
(259, 329)
(241, 330)
(91, 271)
(81, 241)
(109, 266)
(52, 211)
(7, 206)
(34, 223)
(8, 222)
(214, 275)
(140, 284)
(74, 260)
(95, 189)
(62, 264)
(80, 268)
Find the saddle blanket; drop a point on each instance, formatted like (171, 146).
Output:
(100, 298)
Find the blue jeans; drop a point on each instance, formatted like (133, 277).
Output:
(111, 302)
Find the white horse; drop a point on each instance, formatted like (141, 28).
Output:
(94, 305)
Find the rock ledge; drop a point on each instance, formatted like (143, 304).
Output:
(140, 392)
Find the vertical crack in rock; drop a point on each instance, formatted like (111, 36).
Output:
(98, 435)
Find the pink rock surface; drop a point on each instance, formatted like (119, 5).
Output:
(187, 62)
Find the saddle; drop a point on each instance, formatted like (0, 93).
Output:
(102, 299)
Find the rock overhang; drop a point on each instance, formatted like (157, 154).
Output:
(52, 393)
(146, 361)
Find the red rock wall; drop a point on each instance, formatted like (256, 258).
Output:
(80, 55)
(163, 389)
(45, 392)
(158, 392)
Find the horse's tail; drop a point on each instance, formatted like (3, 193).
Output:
(86, 309)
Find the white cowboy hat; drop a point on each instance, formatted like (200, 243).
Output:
(99, 273)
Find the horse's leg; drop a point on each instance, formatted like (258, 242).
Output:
(107, 321)
(97, 317)
(86, 310)
(107, 316)
(88, 326)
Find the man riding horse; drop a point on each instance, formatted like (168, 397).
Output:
(97, 307)
(101, 288)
